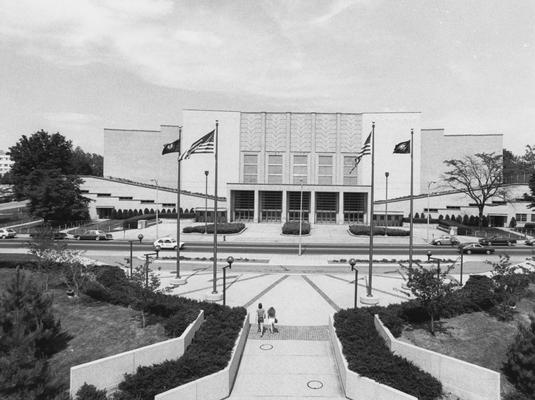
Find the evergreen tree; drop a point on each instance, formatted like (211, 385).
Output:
(520, 364)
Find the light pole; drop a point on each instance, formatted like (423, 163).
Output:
(206, 202)
(386, 201)
(230, 260)
(157, 221)
(300, 215)
(427, 227)
(352, 263)
(430, 258)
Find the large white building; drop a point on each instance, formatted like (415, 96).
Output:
(267, 158)
(5, 162)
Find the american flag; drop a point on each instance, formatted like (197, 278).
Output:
(203, 145)
(364, 151)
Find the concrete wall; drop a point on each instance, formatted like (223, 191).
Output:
(107, 373)
(215, 386)
(437, 147)
(356, 386)
(468, 381)
(136, 154)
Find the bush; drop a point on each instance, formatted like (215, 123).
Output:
(90, 392)
(292, 228)
(512, 223)
(366, 354)
(222, 228)
(520, 363)
(377, 230)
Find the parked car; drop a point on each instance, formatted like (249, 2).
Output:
(445, 241)
(530, 242)
(53, 235)
(166, 244)
(93, 234)
(497, 241)
(469, 248)
(7, 233)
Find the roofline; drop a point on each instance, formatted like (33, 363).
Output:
(130, 130)
(305, 112)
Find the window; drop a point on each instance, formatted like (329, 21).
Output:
(521, 217)
(350, 174)
(274, 168)
(250, 168)
(325, 170)
(300, 169)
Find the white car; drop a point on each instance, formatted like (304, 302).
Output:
(7, 233)
(166, 244)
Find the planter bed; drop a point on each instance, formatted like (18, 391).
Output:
(227, 228)
(292, 228)
(364, 230)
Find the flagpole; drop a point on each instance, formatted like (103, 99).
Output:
(411, 200)
(214, 289)
(178, 204)
(370, 265)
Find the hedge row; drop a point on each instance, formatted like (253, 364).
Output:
(222, 228)
(377, 230)
(366, 354)
(210, 350)
(292, 228)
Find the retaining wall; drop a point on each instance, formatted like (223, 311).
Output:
(217, 385)
(356, 386)
(107, 373)
(463, 379)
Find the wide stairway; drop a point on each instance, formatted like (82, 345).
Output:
(294, 363)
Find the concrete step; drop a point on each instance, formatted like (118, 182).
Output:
(290, 332)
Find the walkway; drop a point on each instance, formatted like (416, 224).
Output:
(294, 363)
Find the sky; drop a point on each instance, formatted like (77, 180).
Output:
(79, 66)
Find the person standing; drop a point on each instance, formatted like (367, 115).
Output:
(271, 319)
(260, 316)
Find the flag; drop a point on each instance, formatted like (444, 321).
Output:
(364, 151)
(203, 145)
(173, 147)
(403, 147)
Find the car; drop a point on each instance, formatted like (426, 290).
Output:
(530, 242)
(52, 235)
(7, 233)
(93, 234)
(497, 241)
(469, 248)
(445, 241)
(166, 244)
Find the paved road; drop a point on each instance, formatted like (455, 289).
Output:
(271, 248)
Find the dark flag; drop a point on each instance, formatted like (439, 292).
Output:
(171, 147)
(403, 147)
(364, 151)
(203, 145)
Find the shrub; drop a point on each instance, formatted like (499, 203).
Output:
(367, 355)
(222, 228)
(512, 223)
(377, 230)
(292, 228)
(520, 362)
(90, 392)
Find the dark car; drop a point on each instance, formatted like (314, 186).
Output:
(497, 241)
(473, 248)
(530, 242)
(93, 234)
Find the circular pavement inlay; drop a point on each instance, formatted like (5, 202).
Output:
(314, 384)
(266, 346)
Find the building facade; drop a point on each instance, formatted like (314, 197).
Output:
(5, 162)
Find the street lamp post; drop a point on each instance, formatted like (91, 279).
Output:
(430, 258)
(462, 259)
(352, 263)
(230, 260)
(157, 221)
(428, 213)
(386, 201)
(300, 215)
(206, 202)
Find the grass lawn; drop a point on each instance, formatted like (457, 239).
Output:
(98, 329)
(477, 337)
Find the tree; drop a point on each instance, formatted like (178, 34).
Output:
(512, 223)
(149, 283)
(509, 287)
(478, 176)
(531, 185)
(431, 287)
(87, 163)
(520, 363)
(44, 173)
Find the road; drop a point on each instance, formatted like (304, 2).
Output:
(271, 248)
